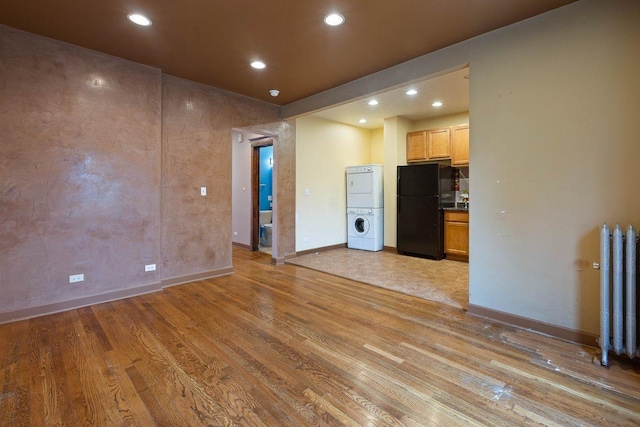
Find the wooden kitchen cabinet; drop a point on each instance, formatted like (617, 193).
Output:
(417, 146)
(460, 145)
(456, 235)
(438, 143)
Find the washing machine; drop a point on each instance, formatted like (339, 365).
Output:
(364, 187)
(365, 228)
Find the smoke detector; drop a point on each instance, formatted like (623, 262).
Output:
(274, 92)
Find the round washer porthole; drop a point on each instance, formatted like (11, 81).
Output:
(361, 225)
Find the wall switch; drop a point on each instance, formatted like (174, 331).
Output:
(235, 233)
(203, 191)
(306, 239)
(150, 267)
(75, 278)
(307, 192)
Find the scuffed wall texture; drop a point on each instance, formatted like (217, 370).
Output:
(79, 171)
(197, 123)
(85, 180)
(555, 103)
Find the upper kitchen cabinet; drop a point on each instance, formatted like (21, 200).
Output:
(417, 146)
(460, 145)
(438, 143)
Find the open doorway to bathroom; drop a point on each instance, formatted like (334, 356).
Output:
(262, 194)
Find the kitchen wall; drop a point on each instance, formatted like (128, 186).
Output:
(395, 154)
(377, 146)
(441, 121)
(323, 151)
(101, 164)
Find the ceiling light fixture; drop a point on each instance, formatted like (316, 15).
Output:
(412, 92)
(334, 19)
(258, 65)
(373, 102)
(363, 121)
(139, 19)
(437, 104)
(274, 92)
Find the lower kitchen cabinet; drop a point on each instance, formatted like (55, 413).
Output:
(456, 235)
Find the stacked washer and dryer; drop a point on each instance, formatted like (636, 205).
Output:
(365, 208)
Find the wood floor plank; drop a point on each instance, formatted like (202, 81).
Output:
(281, 345)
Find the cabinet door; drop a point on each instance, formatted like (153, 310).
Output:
(417, 146)
(456, 238)
(439, 143)
(460, 145)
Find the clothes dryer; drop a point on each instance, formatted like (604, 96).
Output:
(364, 187)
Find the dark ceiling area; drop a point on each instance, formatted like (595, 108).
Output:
(214, 41)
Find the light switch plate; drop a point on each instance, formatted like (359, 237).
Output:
(203, 191)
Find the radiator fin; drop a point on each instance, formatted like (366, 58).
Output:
(618, 292)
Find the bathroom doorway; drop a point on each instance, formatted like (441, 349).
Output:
(262, 162)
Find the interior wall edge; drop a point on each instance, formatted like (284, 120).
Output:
(561, 332)
(181, 280)
(43, 310)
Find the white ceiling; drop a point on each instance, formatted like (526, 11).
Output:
(451, 89)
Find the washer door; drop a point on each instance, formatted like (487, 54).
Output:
(360, 225)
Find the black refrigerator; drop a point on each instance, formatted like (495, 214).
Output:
(423, 190)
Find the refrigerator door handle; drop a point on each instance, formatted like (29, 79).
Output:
(399, 199)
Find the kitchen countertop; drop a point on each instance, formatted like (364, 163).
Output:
(456, 208)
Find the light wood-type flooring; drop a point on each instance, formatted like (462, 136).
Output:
(288, 346)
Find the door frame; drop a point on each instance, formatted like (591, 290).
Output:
(256, 144)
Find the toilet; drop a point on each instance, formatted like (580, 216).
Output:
(266, 229)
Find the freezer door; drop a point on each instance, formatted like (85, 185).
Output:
(420, 229)
(418, 180)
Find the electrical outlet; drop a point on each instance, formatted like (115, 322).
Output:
(150, 267)
(75, 278)
(203, 191)
(306, 239)
(235, 233)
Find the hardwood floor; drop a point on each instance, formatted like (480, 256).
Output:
(287, 346)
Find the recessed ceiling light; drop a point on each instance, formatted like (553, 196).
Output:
(259, 65)
(412, 92)
(362, 121)
(437, 104)
(373, 102)
(136, 18)
(334, 19)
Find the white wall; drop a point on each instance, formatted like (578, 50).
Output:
(323, 151)
(555, 146)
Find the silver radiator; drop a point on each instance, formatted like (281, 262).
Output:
(618, 293)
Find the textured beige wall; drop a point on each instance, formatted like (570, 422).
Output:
(323, 151)
(197, 123)
(79, 172)
(101, 160)
(555, 108)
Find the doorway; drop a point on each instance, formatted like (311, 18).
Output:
(262, 163)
